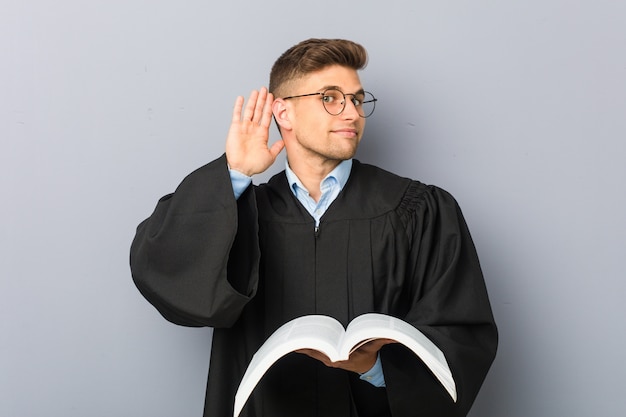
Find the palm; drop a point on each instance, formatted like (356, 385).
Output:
(247, 148)
(361, 360)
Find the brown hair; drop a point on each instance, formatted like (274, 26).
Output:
(313, 55)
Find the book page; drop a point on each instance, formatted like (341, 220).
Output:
(326, 335)
(374, 325)
(317, 332)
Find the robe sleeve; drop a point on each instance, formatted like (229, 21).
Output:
(448, 302)
(181, 255)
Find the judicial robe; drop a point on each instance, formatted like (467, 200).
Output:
(244, 267)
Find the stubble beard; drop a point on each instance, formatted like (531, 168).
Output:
(334, 150)
(333, 147)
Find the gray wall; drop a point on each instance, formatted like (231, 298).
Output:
(517, 108)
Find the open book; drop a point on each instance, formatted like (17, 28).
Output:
(327, 335)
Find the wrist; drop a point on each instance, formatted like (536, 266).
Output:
(375, 375)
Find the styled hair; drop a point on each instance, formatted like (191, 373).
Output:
(313, 55)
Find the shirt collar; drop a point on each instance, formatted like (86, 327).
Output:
(341, 173)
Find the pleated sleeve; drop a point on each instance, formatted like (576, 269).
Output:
(447, 301)
(195, 259)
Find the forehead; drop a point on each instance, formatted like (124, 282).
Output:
(346, 79)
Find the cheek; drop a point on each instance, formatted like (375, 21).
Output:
(361, 128)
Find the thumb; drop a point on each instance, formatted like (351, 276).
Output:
(276, 148)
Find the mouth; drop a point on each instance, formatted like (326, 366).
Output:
(346, 132)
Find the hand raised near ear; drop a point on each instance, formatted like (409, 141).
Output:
(247, 143)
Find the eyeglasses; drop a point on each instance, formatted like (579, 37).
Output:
(334, 101)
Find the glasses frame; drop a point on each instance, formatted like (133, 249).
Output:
(323, 93)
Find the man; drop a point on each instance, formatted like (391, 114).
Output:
(329, 235)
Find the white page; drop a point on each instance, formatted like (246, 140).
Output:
(309, 332)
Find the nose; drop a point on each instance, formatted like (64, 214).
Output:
(350, 111)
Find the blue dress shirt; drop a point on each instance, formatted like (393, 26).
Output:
(330, 187)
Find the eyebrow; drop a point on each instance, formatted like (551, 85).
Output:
(336, 87)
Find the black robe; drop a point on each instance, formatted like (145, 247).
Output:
(386, 244)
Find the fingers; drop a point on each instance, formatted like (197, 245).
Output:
(258, 108)
(266, 118)
(248, 112)
(312, 353)
(374, 345)
(237, 109)
(261, 99)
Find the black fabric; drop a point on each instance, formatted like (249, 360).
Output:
(386, 244)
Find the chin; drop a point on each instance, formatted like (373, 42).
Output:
(343, 155)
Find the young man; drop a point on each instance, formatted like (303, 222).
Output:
(329, 235)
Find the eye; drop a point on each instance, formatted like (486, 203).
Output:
(332, 96)
(357, 101)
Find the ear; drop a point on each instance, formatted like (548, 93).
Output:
(281, 113)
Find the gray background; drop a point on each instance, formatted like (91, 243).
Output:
(517, 108)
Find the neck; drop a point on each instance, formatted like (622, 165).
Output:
(312, 174)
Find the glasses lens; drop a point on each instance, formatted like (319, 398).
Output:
(368, 104)
(334, 101)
